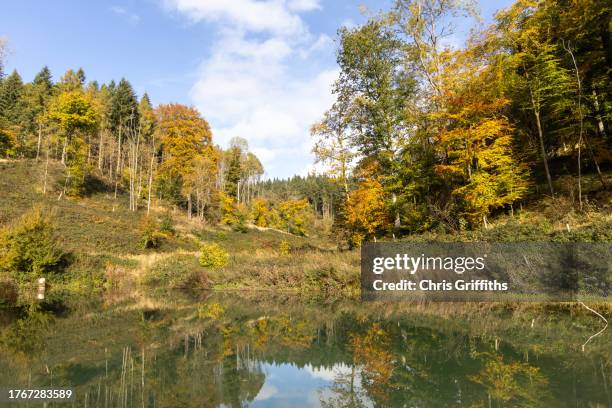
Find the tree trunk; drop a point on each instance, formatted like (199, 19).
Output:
(119, 152)
(543, 151)
(600, 124)
(46, 170)
(64, 150)
(150, 185)
(100, 150)
(39, 140)
(398, 223)
(189, 206)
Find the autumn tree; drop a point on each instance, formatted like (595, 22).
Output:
(183, 136)
(75, 115)
(478, 139)
(366, 212)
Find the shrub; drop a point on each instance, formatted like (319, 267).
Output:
(30, 248)
(284, 248)
(166, 224)
(292, 216)
(213, 256)
(260, 212)
(177, 272)
(150, 237)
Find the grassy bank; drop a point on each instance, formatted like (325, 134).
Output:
(102, 242)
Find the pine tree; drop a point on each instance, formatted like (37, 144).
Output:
(10, 94)
(233, 172)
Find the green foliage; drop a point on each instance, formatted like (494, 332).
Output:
(166, 224)
(292, 216)
(150, 234)
(213, 256)
(124, 110)
(30, 248)
(234, 171)
(11, 89)
(176, 272)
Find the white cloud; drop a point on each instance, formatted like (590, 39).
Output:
(252, 15)
(130, 17)
(261, 80)
(304, 5)
(266, 392)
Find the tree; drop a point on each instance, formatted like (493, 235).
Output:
(333, 145)
(123, 118)
(183, 135)
(11, 91)
(376, 85)
(75, 114)
(3, 52)
(477, 139)
(33, 106)
(541, 82)
(260, 212)
(366, 212)
(234, 172)
(148, 124)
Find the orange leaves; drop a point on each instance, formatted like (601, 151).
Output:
(184, 137)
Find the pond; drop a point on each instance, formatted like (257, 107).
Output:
(271, 350)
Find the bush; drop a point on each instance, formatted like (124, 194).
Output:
(213, 256)
(177, 272)
(284, 248)
(30, 248)
(150, 237)
(166, 224)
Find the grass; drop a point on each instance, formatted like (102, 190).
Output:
(103, 242)
(103, 239)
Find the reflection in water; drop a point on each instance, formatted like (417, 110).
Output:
(232, 351)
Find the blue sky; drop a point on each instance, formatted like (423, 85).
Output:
(259, 69)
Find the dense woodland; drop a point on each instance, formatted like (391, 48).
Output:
(421, 134)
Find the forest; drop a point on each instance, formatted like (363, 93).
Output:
(142, 263)
(423, 136)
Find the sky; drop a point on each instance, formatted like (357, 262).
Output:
(258, 69)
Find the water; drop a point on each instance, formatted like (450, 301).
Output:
(259, 350)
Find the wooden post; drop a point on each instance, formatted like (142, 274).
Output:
(41, 289)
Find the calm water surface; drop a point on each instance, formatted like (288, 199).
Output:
(221, 350)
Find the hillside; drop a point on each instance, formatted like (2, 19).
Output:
(102, 240)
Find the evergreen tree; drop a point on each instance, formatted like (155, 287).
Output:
(32, 108)
(124, 107)
(233, 172)
(10, 94)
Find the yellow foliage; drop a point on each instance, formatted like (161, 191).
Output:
(229, 210)
(284, 248)
(366, 211)
(211, 311)
(213, 256)
(292, 216)
(478, 140)
(260, 212)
